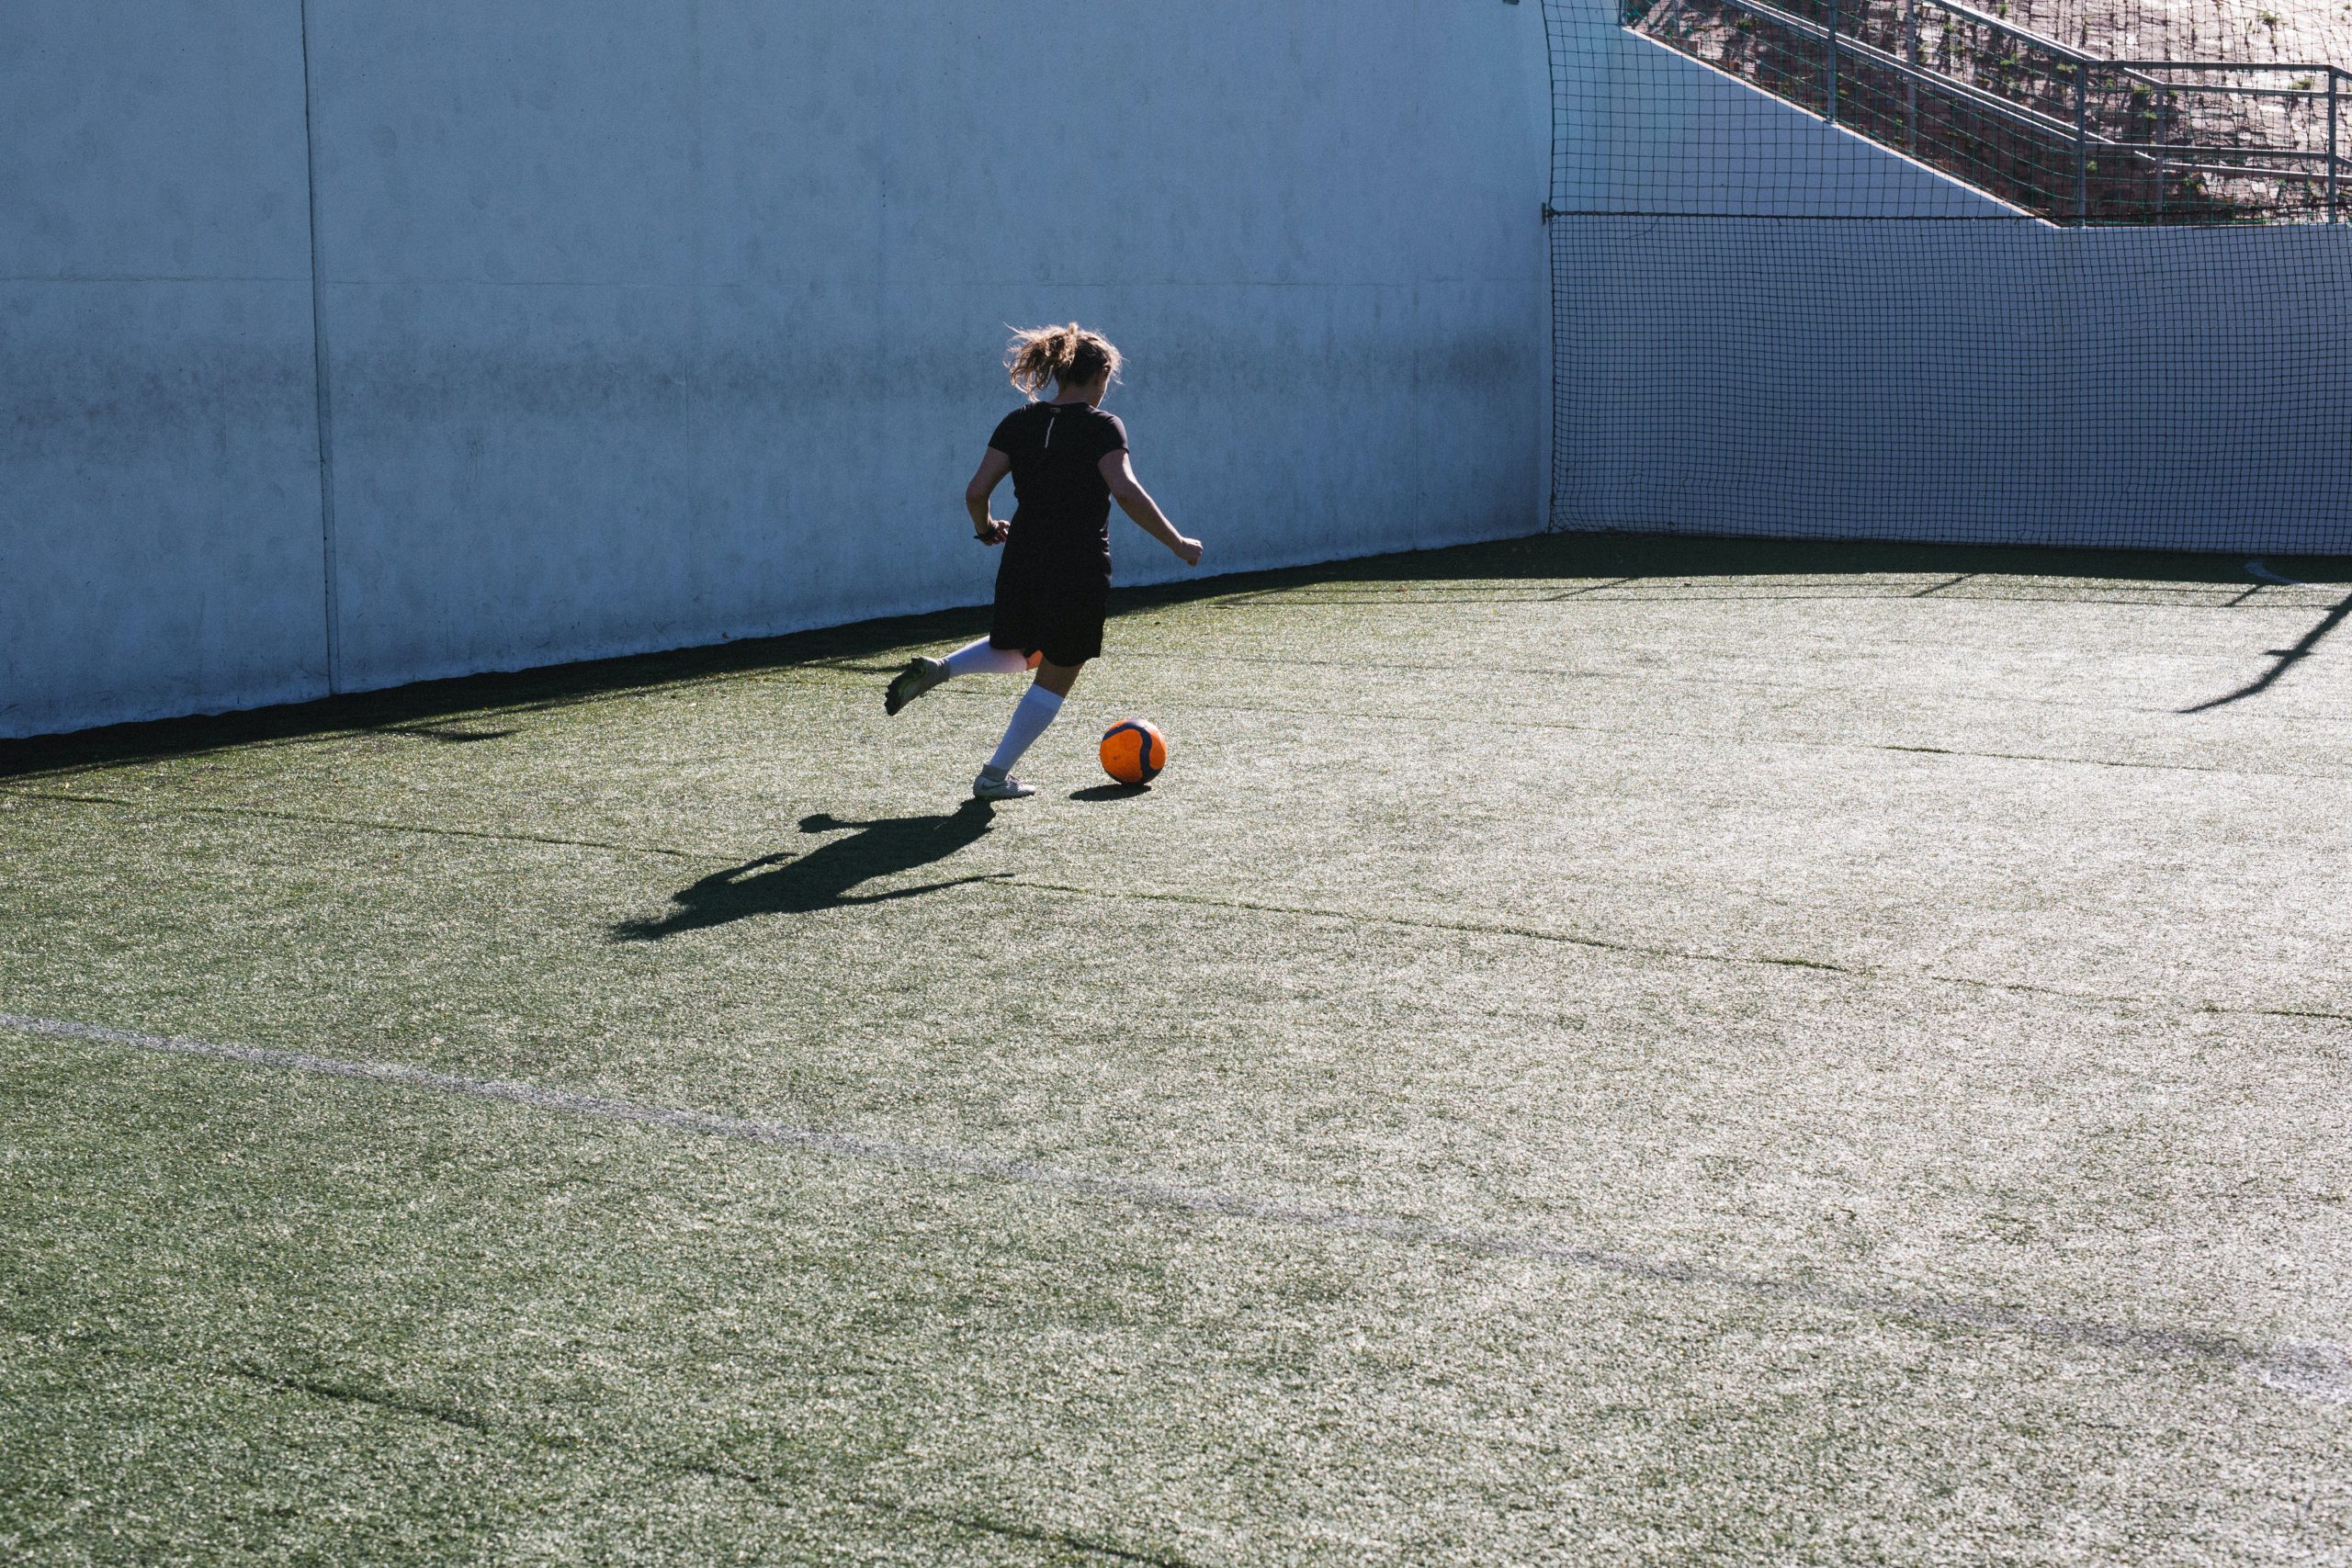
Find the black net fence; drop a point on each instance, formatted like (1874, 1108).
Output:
(2071, 273)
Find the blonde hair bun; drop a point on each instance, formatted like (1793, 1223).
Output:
(1067, 355)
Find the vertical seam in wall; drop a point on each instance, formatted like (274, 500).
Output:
(333, 607)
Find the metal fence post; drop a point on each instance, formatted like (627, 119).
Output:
(2333, 77)
(2081, 142)
(2159, 138)
(1833, 61)
(1911, 83)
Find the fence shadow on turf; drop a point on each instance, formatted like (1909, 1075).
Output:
(459, 710)
(2281, 660)
(789, 884)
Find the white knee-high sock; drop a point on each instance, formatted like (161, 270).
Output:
(980, 659)
(1030, 717)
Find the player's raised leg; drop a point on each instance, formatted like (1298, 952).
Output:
(922, 674)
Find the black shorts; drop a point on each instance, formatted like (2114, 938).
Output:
(1050, 607)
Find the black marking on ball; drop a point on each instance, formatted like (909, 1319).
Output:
(1143, 750)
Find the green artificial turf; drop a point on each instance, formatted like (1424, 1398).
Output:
(1596, 1049)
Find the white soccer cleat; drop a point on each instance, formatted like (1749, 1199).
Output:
(1000, 786)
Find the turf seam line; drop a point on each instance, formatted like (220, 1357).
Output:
(1559, 725)
(1750, 741)
(2075, 762)
(517, 707)
(484, 1426)
(326, 738)
(1474, 928)
(339, 1394)
(783, 670)
(1639, 949)
(318, 819)
(1655, 675)
(1640, 596)
(1143, 1193)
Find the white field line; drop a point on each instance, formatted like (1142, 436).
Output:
(2311, 1368)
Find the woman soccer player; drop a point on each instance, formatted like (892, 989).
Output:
(1068, 459)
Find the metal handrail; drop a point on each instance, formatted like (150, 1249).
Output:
(1976, 97)
(2194, 152)
(2068, 60)
(2042, 41)
(2226, 65)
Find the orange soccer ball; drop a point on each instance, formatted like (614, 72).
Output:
(1133, 751)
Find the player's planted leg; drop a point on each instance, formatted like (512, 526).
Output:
(1031, 717)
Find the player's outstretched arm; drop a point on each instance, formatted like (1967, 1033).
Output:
(994, 465)
(1136, 502)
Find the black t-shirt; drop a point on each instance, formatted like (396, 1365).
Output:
(1062, 507)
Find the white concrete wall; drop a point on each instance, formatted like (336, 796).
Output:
(1734, 360)
(159, 495)
(662, 321)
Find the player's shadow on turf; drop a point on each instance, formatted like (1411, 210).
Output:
(786, 884)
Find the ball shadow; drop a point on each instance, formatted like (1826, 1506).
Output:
(1111, 792)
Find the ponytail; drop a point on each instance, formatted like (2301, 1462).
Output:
(1065, 356)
